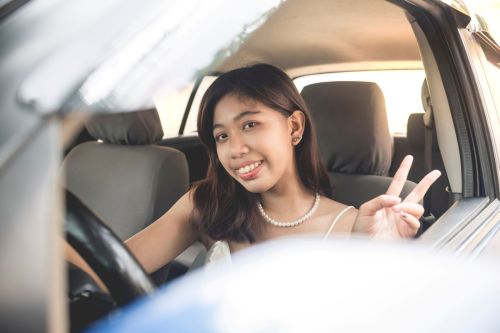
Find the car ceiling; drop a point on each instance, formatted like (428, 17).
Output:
(315, 32)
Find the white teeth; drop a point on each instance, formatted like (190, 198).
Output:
(248, 168)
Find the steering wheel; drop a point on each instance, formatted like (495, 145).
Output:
(124, 277)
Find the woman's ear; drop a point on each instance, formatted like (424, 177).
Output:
(296, 122)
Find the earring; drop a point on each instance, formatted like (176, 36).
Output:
(296, 139)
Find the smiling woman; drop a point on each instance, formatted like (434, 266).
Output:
(265, 180)
(262, 147)
(261, 108)
(263, 153)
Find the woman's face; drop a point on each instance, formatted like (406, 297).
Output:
(254, 143)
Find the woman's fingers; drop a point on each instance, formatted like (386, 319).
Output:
(423, 186)
(399, 179)
(412, 208)
(382, 201)
(411, 223)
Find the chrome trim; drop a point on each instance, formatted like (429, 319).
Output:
(482, 223)
(453, 221)
(485, 241)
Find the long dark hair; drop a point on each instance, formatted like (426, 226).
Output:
(225, 209)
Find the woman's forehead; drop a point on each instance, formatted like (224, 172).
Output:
(237, 98)
(230, 106)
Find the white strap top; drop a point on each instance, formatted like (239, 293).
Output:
(220, 252)
(337, 218)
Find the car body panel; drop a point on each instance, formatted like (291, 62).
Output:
(305, 285)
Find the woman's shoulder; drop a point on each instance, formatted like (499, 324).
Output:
(184, 205)
(341, 214)
(183, 213)
(333, 206)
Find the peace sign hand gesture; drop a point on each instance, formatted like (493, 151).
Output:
(386, 216)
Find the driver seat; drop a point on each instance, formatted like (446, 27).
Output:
(123, 177)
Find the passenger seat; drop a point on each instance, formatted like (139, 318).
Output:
(354, 140)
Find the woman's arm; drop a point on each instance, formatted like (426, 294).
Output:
(73, 257)
(167, 237)
(156, 245)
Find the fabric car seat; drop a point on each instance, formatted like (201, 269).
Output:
(354, 139)
(123, 177)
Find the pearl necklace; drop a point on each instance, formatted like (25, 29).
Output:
(291, 223)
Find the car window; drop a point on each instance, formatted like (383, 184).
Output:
(489, 11)
(493, 76)
(401, 99)
(172, 106)
(401, 90)
(190, 127)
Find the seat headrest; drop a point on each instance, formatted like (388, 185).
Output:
(425, 94)
(129, 128)
(419, 122)
(351, 122)
(415, 130)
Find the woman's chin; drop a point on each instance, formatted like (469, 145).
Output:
(255, 187)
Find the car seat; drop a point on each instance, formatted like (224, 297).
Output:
(123, 177)
(354, 140)
(421, 137)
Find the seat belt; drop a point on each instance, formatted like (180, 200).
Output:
(429, 126)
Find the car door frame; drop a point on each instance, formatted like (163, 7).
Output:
(473, 219)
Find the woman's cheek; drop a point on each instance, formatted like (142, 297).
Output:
(222, 157)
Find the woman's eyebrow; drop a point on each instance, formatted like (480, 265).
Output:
(238, 117)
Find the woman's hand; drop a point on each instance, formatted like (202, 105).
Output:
(388, 217)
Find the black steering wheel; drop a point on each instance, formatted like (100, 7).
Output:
(124, 277)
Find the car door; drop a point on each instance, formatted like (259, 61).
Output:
(453, 49)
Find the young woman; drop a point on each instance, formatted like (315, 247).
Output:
(265, 179)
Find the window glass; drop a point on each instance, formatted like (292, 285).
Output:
(193, 112)
(171, 108)
(493, 75)
(492, 71)
(401, 99)
(401, 88)
(489, 10)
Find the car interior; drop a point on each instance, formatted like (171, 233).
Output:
(126, 171)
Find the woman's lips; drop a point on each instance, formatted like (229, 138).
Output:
(251, 174)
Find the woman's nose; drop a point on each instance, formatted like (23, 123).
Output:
(237, 146)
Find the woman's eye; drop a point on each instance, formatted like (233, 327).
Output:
(250, 124)
(220, 137)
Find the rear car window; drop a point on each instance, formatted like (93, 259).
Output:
(401, 88)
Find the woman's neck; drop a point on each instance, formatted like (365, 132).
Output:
(287, 201)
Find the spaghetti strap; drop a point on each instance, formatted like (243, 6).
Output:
(337, 218)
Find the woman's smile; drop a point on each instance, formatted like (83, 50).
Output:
(250, 171)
